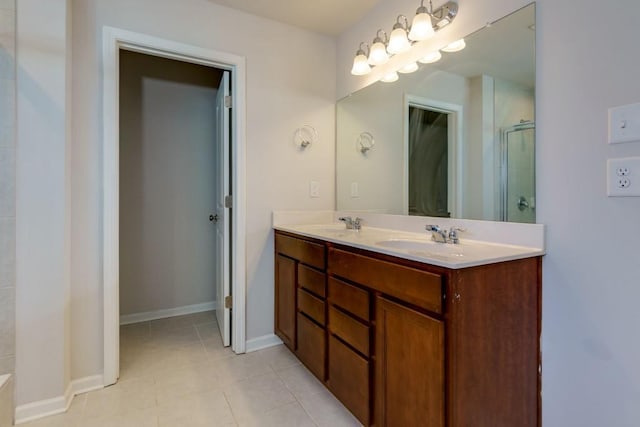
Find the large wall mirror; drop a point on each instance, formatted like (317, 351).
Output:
(454, 139)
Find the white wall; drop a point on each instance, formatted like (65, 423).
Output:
(590, 316)
(167, 180)
(42, 201)
(290, 82)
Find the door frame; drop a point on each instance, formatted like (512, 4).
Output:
(115, 39)
(456, 136)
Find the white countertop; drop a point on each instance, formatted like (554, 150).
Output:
(414, 246)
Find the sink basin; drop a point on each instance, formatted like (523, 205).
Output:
(407, 244)
(328, 228)
(427, 248)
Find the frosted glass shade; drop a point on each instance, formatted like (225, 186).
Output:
(398, 42)
(409, 68)
(390, 78)
(378, 54)
(421, 28)
(455, 46)
(360, 65)
(431, 57)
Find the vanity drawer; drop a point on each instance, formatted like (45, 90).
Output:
(417, 287)
(311, 306)
(350, 330)
(312, 280)
(349, 379)
(311, 346)
(350, 298)
(303, 250)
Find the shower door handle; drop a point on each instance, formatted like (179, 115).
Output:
(522, 203)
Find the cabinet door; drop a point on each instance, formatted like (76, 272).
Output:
(409, 367)
(349, 379)
(285, 302)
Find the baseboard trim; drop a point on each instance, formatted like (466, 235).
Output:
(57, 405)
(264, 341)
(127, 319)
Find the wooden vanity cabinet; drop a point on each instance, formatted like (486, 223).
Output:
(300, 290)
(410, 344)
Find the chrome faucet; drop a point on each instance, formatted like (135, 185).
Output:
(441, 235)
(352, 224)
(437, 234)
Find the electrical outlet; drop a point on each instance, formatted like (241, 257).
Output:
(354, 190)
(623, 177)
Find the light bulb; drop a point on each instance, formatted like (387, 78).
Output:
(390, 78)
(409, 68)
(421, 28)
(378, 54)
(360, 65)
(398, 41)
(455, 46)
(431, 57)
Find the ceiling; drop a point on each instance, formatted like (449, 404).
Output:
(329, 17)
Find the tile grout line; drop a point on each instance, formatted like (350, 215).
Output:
(313, 420)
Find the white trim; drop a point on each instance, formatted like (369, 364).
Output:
(57, 405)
(264, 341)
(115, 39)
(456, 168)
(127, 319)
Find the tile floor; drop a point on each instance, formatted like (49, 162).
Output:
(175, 372)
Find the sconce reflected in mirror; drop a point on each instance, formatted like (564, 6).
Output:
(304, 136)
(365, 143)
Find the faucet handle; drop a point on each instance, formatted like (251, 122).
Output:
(430, 227)
(453, 234)
(357, 223)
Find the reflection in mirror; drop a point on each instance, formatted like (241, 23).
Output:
(454, 139)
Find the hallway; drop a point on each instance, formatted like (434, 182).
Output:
(175, 372)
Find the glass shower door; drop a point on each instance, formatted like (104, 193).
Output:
(518, 174)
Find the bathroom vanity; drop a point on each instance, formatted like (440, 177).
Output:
(408, 337)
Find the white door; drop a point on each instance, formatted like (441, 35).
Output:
(222, 213)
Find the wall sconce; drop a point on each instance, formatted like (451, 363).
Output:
(365, 142)
(304, 136)
(425, 23)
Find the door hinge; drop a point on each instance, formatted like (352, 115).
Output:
(227, 101)
(228, 302)
(228, 201)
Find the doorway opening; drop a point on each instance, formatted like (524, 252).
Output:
(433, 131)
(174, 237)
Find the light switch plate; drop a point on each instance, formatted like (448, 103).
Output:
(624, 124)
(314, 189)
(623, 177)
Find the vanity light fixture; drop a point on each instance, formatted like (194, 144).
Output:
(425, 23)
(361, 65)
(455, 46)
(378, 53)
(390, 78)
(398, 41)
(365, 142)
(431, 57)
(409, 68)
